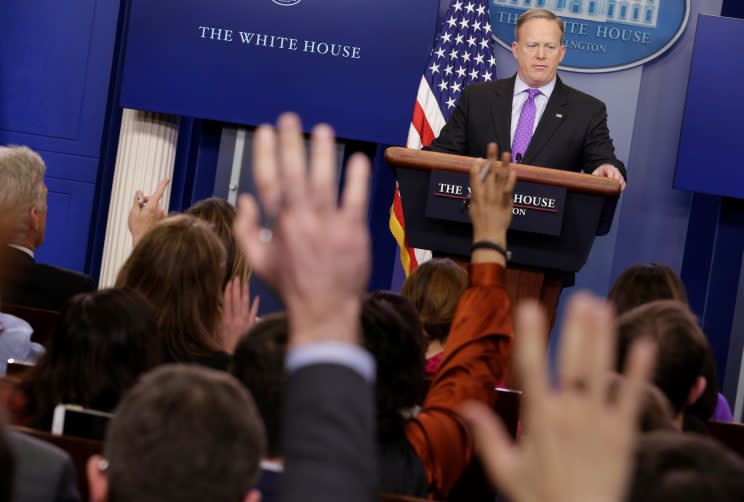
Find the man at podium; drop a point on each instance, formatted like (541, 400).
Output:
(543, 121)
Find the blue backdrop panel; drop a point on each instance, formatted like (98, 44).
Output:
(54, 84)
(68, 223)
(54, 77)
(178, 62)
(710, 155)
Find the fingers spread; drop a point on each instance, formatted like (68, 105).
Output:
(323, 187)
(638, 369)
(265, 169)
(247, 232)
(476, 189)
(577, 343)
(492, 151)
(356, 188)
(292, 158)
(602, 329)
(529, 357)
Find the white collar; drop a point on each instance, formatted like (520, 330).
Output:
(272, 465)
(23, 249)
(547, 89)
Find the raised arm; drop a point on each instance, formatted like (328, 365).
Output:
(479, 343)
(317, 258)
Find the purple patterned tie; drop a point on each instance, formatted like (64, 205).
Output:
(523, 133)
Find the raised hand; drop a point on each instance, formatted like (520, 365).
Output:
(316, 255)
(491, 202)
(238, 313)
(146, 211)
(577, 445)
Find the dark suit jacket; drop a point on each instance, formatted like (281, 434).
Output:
(44, 473)
(268, 484)
(572, 133)
(31, 284)
(329, 436)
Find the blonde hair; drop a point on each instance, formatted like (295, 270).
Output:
(179, 266)
(539, 14)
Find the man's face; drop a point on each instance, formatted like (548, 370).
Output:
(538, 51)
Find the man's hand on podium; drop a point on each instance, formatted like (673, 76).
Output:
(610, 171)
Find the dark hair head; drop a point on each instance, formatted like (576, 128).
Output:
(434, 289)
(680, 345)
(104, 341)
(179, 267)
(221, 215)
(258, 363)
(705, 406)
(645, 283)
(184, 434)
(679, 467)
(392, 334)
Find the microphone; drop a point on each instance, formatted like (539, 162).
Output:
(518, 158)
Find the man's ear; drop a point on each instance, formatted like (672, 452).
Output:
(34, 218)
(697, 390)
(97, 480)
(252, 496)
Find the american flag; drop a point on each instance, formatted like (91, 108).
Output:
(462, 54)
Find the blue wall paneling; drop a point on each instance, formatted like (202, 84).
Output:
(54, 87)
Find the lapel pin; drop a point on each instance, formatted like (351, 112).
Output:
(559, 115)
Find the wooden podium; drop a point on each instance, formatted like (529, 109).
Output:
(545, 254)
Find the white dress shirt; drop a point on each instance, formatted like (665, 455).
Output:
(23, 249)
(520, 97)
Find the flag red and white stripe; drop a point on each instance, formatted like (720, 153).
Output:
(462, 54)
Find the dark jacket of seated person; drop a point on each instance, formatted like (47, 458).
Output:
(43, 473)
(259, 364)
(36, 285)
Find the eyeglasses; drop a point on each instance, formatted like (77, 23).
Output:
(549, 48)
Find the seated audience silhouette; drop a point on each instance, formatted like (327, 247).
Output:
(685, 468)
(258, 363)
(23, 195)
(179, 266)
(183, 433)
(42, 471)
(105, 340)
(434, 288)
(645, 283)
(681, 349)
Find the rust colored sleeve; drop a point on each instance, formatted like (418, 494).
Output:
(475, 358)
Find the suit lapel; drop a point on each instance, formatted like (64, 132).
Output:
(552, 118)
(501, 112)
